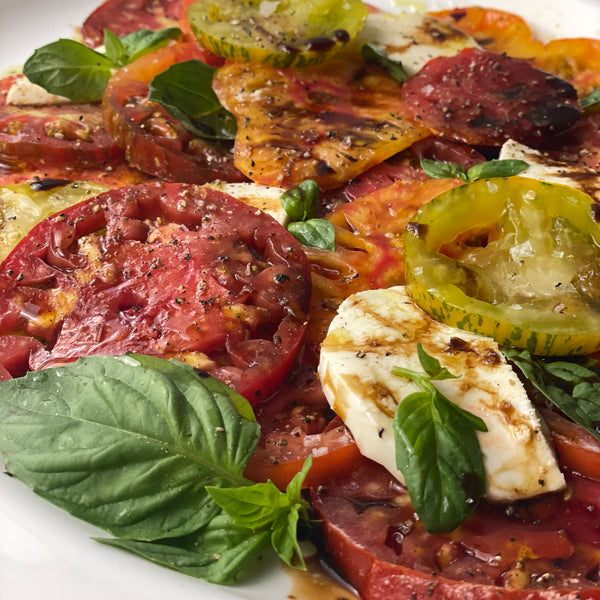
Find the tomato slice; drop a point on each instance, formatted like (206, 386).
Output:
(328, 123)
(514, 259)
(168, 269)
(297, 33)
(155, 142)
(484, 98)
(576, 448)
(126, 16)
(541, 549)
(67, 135)
(295, 423)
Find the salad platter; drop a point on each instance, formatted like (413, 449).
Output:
(43, 550)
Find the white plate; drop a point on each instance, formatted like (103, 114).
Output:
(44, 553)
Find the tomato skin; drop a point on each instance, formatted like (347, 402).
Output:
(165, 269)
(479, 98)
(153, 141)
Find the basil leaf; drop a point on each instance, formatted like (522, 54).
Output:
(301, 202)
(114, 49)
(144, 41)
(222, 552)
(573, 387)
(441, 169)
(438, 452)
(69, 69)
(185, 91)
(591, 101)
(128, 444)
(496, 168)
(372, 54)
(263, 506)
(318, 233)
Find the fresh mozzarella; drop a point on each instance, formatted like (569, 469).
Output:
(263, 197)
(413, 38)
(24, 93)
(377, 330)
(544, 168)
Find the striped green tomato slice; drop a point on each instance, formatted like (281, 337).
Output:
(512, 258)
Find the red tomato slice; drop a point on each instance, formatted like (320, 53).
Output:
(576, 448)
(68, 135)
(126, 16)
(167, 269)
(297, 422)
(154, 142)
(483, 98)
(546, 549)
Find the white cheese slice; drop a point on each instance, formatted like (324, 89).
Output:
(377, 330)
(24, 93)
(544, 168)
(263, 197)
(413, 38)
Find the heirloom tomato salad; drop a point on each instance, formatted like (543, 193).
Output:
(310, 278)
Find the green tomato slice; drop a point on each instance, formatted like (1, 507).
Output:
(284, 33)
(512, 258)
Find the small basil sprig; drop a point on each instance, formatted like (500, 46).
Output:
(301, 203)
(437, 450)
(263, 507)
(372, 54)
(440, 169)
(591, 102)
(573, 386)
(140, 446)
(75, 71)
(185, 91)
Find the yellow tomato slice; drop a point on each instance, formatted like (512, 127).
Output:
(512, 258)
(329, 123)
(24, 205)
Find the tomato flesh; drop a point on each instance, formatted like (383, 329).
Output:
(165, 269)
(295, 423)
(545, 548)
(483, 98)
(66, 135)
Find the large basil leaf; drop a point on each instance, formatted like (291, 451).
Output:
(127, 443)
(185, 91)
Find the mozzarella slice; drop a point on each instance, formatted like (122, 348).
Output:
(377, 330)
(544, 168)
(413, 38)
(24, 93)
(263, 197)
